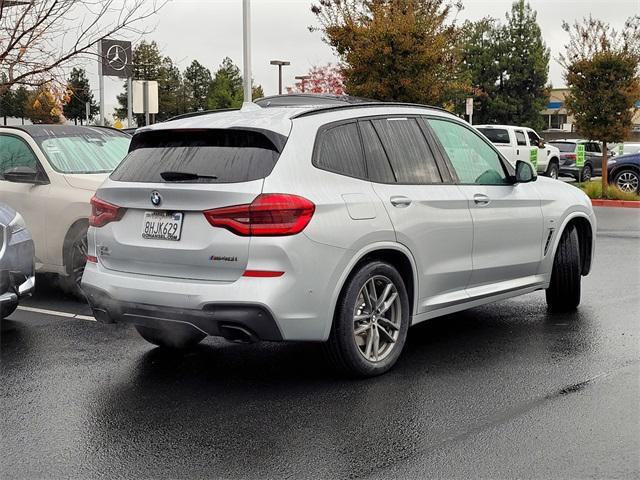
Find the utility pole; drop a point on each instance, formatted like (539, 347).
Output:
(246, 42)
(303, 79)
(280, 64)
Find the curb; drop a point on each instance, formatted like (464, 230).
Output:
(598, 202)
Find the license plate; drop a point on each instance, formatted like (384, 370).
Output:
(162, 225)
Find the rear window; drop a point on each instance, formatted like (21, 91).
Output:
(218, 155)
(564, 146)
(495, 135)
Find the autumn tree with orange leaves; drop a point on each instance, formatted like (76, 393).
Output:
(396, 50)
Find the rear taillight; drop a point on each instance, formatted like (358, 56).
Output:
(270, 214)
(104, 212)
(569, 156)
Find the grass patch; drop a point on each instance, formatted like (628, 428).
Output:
(594, 190)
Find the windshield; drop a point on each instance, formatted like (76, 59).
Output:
(495, 135)
(92, 152)
(564, 146)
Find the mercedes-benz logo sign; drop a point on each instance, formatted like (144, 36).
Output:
(117, 57)
(156, 199)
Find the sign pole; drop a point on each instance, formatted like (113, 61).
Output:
(87, 111)
(145, 101)
(101, 84)
(246, 37)
(130, 102)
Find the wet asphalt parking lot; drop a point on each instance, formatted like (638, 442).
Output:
(502, 391)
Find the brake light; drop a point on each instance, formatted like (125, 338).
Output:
(92, 259)
(270, 214)
(570, 156)
(104, 212)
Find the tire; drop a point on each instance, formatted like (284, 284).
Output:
(356, 354)
(7, 309)
(627, 180)
(75, 259)
(563, 294)
(587, 173)
(553, 170)
(174, 337)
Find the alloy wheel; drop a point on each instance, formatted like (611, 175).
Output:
(376, 318)
(628, 182)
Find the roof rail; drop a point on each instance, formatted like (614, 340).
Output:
(329, 108)
(202, 112)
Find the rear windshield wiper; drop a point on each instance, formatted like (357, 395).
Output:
(184, 176)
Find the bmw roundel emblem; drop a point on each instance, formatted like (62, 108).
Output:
(156, 199)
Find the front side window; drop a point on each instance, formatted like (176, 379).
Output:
(534, 139)
(408, 151)
(14, 152)
(339, 150)
(520, 138)
(472, 158)
(91, 152)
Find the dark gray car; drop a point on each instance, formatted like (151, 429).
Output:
(17, 255)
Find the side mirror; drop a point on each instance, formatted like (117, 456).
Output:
(541, 144)
(524, 172)
(23, 175)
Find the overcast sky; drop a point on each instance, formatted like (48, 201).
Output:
(209, 30)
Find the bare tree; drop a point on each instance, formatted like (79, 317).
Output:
(40, 37)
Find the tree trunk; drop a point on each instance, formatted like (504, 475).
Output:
(605, 177)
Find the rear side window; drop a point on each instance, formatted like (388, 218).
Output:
(408, 150)
(339, 150)
(496, 135)
(219, 155)
(378, 164)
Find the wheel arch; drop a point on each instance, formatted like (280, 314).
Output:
(77, 226)
(585, 230)
(394, 253)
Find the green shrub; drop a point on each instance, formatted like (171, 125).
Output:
(594, 190)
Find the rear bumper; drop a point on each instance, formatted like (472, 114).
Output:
(233, 321)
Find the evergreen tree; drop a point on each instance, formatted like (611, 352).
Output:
(226, 88)
(20, 100)
(80, 94)
(525, 68)
(7, 105)
(197, 79)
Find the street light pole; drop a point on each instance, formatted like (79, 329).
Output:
(303, 79)
(246, 40)
(280, 64)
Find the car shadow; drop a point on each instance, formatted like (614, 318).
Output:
(250, 403)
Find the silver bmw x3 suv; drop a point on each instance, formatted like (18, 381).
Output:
(341, 224)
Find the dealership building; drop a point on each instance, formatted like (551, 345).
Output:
(557, 118)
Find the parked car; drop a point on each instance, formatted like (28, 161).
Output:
(343, 225)
(627, 147)
(624, 172)
(49, 173)
(568, 155)
(520, 143)
(17, 277)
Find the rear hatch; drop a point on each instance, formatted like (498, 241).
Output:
(162, 188)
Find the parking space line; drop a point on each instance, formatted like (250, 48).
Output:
(57, 313)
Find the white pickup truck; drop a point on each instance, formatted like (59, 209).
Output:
(522, 143)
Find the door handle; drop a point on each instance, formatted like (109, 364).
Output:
(481, 199)
(400, 201)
